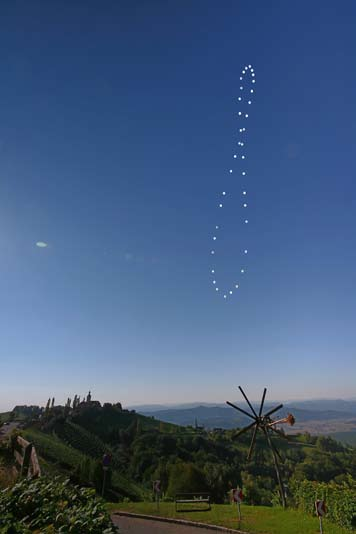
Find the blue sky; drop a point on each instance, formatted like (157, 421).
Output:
(117, 128)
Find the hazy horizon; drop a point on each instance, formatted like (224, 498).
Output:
(59, 401)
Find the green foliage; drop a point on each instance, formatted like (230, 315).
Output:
(220, 478)
(97, 476)
(107, 422)
(65, 458)
(84, 470)
(185, 478)
(53, 449)
(4, 417)
(144, 449)
(327, 444)
(340, 499)
(79, 438)
(258, 490)
(50, 506)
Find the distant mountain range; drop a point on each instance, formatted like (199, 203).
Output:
(324, 416)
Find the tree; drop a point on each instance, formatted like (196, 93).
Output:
(185, 478)
(97, 476)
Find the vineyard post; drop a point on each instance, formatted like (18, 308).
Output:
(104, 481)
(157, 491)
(106, 464)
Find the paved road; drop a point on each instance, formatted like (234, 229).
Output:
(131, 525)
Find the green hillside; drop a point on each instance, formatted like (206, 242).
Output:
(58, 457)
(4, 417)
(349, 438)
(72, 442)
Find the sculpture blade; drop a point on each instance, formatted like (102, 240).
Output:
(273, 410)
(252, 445)
(248, 402)
(245, 429)
(240, 410)
(262, 402)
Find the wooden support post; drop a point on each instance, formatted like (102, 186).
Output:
(276, 466)
(104, 481)
(26, 460)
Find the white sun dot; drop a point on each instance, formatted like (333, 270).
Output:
(224, 296)
(241, 114)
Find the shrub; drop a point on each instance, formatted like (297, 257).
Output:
(340, 499)
(52, 505)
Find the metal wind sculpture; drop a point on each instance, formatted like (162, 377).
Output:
(267, 426)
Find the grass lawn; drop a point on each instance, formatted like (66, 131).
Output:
(255, 519)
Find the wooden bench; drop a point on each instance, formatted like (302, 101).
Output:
(194, 499)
